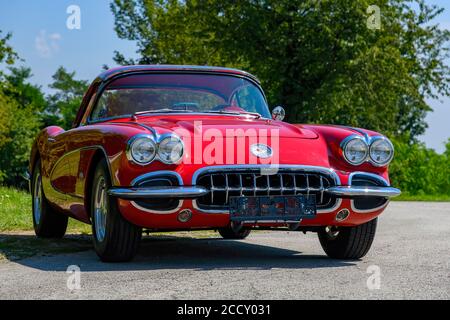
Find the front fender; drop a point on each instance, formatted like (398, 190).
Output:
(40, 143)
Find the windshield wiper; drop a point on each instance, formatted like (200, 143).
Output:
(257, 115)
(165, 110)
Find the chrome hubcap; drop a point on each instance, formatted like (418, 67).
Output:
(332, 232)
(37, 197)
(100, 209)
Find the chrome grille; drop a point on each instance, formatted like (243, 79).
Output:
(225, 184)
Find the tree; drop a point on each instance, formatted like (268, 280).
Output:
(19, 126)
(317, 58)
(418, 170)
(7, 54)
(65, 102)
(19, 122)
(18, 87)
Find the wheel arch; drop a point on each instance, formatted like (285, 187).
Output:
(98, 155)
(35, 155)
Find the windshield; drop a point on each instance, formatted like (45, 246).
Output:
(152, 93)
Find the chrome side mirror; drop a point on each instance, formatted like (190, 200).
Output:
(278, 113)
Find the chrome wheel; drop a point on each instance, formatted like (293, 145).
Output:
(37, 197)
(332, 232)
(100, 209)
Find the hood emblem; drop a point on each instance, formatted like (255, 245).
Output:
(261, 150)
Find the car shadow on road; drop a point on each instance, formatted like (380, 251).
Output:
(170, 252)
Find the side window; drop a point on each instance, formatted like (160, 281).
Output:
(108, 105)
(100, 111)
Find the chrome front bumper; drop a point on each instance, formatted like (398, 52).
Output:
(355, 191)
(192, 192)
(175, 192)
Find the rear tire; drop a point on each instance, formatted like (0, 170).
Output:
(115, 239)
(47, 222)
(348, 242)
(234, 232)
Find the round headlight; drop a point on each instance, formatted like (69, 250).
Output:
(170, 149)
(142, 149)
(355, 150)
(381, 151)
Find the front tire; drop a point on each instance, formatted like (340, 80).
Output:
(115, 239)
(47, 222)
(348, 242)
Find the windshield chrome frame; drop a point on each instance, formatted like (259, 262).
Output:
(86, 120)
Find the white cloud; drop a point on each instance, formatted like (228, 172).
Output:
(47, 45)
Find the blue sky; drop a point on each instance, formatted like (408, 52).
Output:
(41, 38)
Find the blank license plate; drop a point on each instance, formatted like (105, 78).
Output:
(265, 208)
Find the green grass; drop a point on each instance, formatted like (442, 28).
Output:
(15, 213)
(424, 197)
(17, 239)
(15, 210)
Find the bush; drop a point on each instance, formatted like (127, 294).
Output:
(417, 170)
(19, 126)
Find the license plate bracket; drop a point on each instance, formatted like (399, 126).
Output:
(273, 208)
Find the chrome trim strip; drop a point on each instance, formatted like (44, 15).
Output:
(362, 132)
(136, 181)
(270, 221)
(352, 205)
(148, 128)
(94, 147)
(349, 191)
(108, 120)
(374, 176)
(79, 150)
(368, 174)
(269, 170)
(171, 192)
(180, 204)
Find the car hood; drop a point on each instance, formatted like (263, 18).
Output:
(227, 126)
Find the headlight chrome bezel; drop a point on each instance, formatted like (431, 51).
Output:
(391, 146)
(156, 143)
(132, 141)
(165, 137)
(368, 141)
(345, 144)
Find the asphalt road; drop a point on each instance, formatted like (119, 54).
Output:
(411, 253)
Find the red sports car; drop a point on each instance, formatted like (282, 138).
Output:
(185, 147)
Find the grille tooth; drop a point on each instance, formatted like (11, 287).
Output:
(224, 185)
(321, 189)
